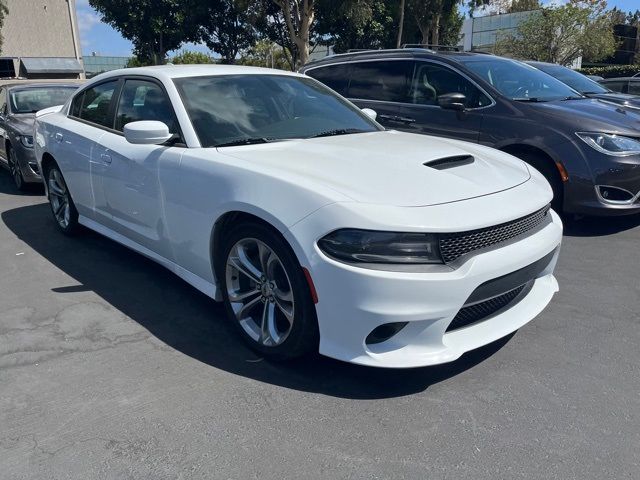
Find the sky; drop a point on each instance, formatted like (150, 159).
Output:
(98, 37)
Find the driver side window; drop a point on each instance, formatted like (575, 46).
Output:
(431, 80)
(144, 100)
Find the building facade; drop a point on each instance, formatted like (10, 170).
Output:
(41, 40)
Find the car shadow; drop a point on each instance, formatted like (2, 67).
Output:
(8, 187)
(195, 325)
(599, 226)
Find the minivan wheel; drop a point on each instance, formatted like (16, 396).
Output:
(62, 206)
(266, 294)
(547, 168)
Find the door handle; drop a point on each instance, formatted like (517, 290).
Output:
(105, 158)
(59, 137)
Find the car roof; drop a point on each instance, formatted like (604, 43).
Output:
(625, 79)
(409, 53)
(41, 83)
(169, 72)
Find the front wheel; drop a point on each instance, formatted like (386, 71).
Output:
(14, 169)
(62, 206)
(266, 294)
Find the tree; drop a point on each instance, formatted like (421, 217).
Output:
(524, 5)
(298, 16)
(223, 26)
(401, 9)
(429, 14)
(190, 57)
(4, 11)
(265, 54)
(155, 27)
(562, 34)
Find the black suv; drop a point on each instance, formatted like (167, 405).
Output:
(588, 149)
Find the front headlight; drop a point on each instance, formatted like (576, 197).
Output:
(27, 140)
(611, 144)
(366, 246)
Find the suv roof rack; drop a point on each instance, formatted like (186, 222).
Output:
(433, 47)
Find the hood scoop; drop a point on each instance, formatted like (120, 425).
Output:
(450, 162)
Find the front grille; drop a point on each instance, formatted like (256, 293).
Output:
(455, 245)
(481, 311)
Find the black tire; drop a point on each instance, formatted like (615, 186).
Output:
(59, 198)
(14, 169)
(302, 337)
(547, 168)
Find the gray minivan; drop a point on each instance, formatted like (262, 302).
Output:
(588, 149)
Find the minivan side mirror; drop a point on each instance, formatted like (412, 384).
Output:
(452, 101)
(147, 132)
(369, 112)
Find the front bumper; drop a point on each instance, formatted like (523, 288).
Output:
(354, 301)
(27, 163)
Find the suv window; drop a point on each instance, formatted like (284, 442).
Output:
(634, 88)
(336, 77)
(432, 80)
(93, 105)
(616, 86)
(385, 81)
(144, 100)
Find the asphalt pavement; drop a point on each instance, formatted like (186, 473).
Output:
(113, 368)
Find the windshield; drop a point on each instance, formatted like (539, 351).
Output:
(575, 80)
(243, 109)
(31, 100)
(519, 81)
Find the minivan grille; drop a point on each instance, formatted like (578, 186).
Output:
(455, 245)
(480, 311)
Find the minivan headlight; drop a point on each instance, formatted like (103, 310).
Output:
(367, 246)
(611, 144)
(27, 140)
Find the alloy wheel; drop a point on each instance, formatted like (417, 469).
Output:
(14, 169)
(260, 292)
(59, 198)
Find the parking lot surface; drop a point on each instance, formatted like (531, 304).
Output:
(111, 367)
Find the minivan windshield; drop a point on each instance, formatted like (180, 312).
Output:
(33, 99)
(518, 81)
(574, 79)
(228, 110)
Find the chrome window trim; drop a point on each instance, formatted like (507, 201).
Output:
(413, 59)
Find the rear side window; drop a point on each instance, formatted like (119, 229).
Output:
(634, 88)
(93, 105)
(388, 81)
(336, 77)
(144, 100)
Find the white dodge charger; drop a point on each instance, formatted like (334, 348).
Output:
(317, 228)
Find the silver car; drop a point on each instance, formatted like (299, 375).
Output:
(19, 102)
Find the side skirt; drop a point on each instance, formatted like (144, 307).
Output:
(208, 288)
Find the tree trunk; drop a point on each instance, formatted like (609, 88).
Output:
(436, 30)
(400, 24)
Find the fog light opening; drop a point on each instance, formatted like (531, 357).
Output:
(384, 332)
(611, 194)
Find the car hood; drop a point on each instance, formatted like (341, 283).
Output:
(23, 122)
(592, 114)
(389, 167)
(632, 101)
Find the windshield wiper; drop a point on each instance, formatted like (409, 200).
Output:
(338, 131)
(244, 141)
(573, 97)
(527, 99)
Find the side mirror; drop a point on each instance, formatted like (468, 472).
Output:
(452, 101)
(146, 132)
(372, 114)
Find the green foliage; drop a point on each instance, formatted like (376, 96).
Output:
(4, 11)
(155, 27)
(190, 57)
(136, 61)
(265, 54)
(612, 71)
(562, 34)
(524, 5)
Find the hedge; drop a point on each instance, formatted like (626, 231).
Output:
(611, 71)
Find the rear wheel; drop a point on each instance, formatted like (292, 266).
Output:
(14, 169)
(62, 206)
(266, 294)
